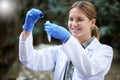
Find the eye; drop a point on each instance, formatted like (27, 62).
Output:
(70, 19)
(80, 19)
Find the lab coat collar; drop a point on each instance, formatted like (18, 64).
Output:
(94, 44)
(86, 43)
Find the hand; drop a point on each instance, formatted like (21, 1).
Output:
(31, 18)
(57, 31)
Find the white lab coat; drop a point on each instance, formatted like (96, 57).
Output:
(91, 63)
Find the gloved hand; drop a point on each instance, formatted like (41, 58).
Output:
(57, 31)
(31, 18)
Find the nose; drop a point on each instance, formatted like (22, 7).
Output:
(74, 23)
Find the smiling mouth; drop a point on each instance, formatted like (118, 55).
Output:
(76, 30)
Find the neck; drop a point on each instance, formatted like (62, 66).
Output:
(83, 39)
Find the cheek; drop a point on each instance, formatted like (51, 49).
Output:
(69, 24)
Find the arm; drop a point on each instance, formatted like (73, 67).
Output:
(34, 59)
(25, 34)
(98, 63)
(37, 60)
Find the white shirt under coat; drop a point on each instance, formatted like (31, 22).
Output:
(91, 63)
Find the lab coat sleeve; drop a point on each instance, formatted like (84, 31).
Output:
(37, 60)
(97, 64)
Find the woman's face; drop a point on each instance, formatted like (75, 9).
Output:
(79, 24)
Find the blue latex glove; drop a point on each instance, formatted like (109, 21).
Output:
(57, 31)
(31, 18)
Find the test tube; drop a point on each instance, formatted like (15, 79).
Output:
(48, 36)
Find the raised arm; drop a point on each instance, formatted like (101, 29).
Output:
(25, 34)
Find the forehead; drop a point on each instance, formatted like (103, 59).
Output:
(76, 12)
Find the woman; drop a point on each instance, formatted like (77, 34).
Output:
(81, 49)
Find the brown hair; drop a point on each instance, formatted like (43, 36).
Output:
(90, 11)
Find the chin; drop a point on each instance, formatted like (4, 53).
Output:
(76, 36)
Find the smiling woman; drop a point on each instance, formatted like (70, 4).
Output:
(7, 8)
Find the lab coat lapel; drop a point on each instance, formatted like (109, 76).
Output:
(92, 46)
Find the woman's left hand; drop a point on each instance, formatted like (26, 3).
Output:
(57, 31)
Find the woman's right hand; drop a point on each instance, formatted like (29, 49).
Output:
(31, 18)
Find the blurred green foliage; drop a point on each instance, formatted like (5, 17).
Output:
(109, 22)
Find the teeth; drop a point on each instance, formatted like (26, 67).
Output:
(75, 30)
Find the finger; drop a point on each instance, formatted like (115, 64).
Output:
(48, 31)
(37, 13)
(47, 24)
(48, 27)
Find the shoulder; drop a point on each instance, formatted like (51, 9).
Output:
(97, 45)
(106, 47)
(96, 42)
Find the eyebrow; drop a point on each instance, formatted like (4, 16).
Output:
(77, 17)
(80, 17)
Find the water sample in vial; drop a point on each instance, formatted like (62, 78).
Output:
(48, 36)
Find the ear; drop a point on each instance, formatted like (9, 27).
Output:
(93, 21)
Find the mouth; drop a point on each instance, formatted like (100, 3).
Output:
(76, 30)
